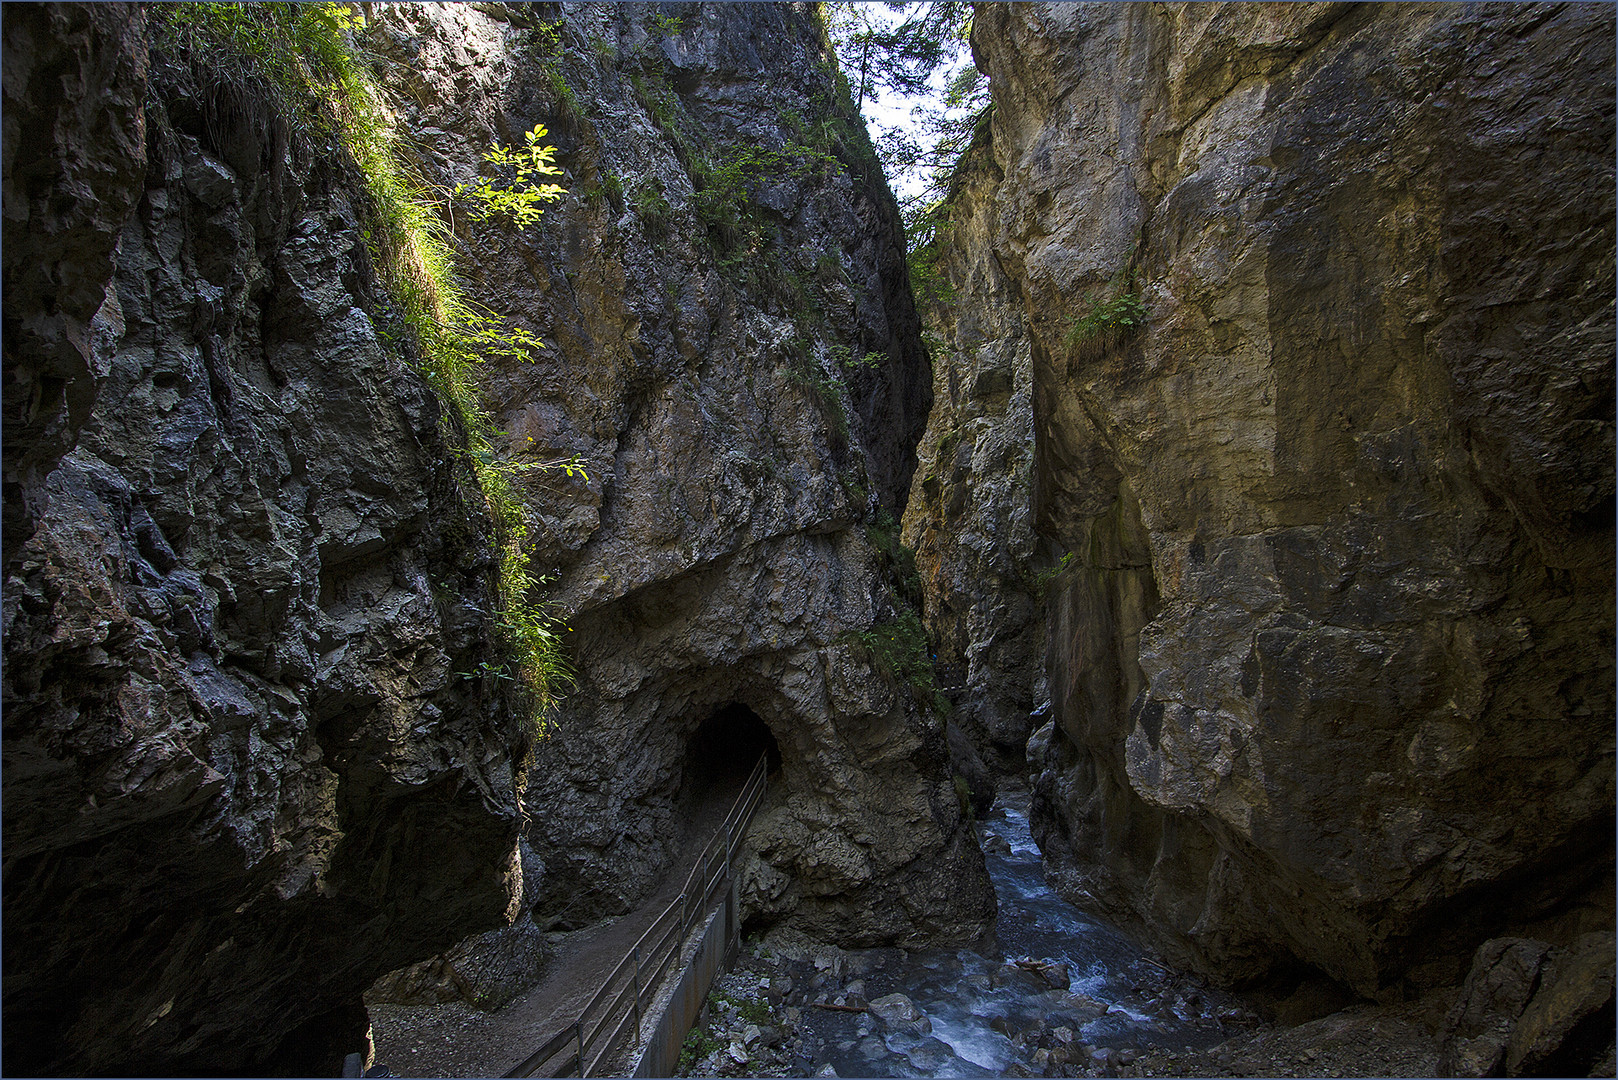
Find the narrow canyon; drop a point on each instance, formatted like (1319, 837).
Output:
(406, 561)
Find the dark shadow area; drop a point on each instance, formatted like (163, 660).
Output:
(722, 752)
(718, 759)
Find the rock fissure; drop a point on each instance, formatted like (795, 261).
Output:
(1250, 494)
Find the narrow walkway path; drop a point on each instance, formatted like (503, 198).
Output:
(458, 1040)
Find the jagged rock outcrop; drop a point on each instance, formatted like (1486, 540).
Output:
(1332, 672)
(243, 566)
(734, 359)
(1531, 1009)
(970, 516)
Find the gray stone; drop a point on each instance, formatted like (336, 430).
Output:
(1522, 1001)
(1339, 512)
(242, 777)
(899, 1014)
(717, 555)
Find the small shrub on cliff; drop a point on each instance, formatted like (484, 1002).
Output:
(518, 194)
(664, 25)
(844, 357)
(305, 58)
(900, 648)
(652, 208)
(1040, 583)
(1103, 325)
(802, 369)
(898, 560)
(698, 1044)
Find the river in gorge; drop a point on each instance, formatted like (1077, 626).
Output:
(1062, 993)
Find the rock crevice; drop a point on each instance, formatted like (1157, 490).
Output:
(1329, 663)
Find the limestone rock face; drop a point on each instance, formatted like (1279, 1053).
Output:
(744, 388)
(1332, 673)
(1530, 1009)
(970, 517)
(241, 775)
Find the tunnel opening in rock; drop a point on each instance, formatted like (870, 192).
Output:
(722, 752)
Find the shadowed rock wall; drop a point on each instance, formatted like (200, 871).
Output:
(970, 516)
(1332, 675)
(702, 367)
(242, 567)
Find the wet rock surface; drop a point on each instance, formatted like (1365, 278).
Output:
(1056, 994)
(1331, 669)
(243, 569)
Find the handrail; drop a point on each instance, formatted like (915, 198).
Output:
(687, 907)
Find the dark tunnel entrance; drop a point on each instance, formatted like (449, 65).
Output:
(718, 759)
(723, 751)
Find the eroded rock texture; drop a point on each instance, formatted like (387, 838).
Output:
(708, 367)
(242, 568)
(970, 518)
(1528, 1008)
(1332, 675)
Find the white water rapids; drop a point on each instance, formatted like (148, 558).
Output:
(985, 1015)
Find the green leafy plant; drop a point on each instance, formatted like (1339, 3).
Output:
(1104, 323)
(899, 648)
(486, 670)
(652, 208)
(658, 101)
(897, 559)
(1041, 582)
(698, 1044)
(827, 390)
(305, 59)
(726, 182)
(547, 41)
(664, 25)
(614, 189)
(750, 1009)
(518, 193)
(829, 268)
(844, 357)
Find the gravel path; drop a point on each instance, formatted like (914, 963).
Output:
(458, 1040)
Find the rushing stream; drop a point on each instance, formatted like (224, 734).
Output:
(1064, 988)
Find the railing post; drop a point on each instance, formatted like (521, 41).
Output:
(637, 993)
(733, 902)
(723, 848)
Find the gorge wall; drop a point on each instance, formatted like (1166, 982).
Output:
(1331, 664)
(243, 567)
(970, 516)
(734, 358)
(1294, 593)
(250, 764)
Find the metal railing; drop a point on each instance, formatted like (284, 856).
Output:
(602, 1023)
